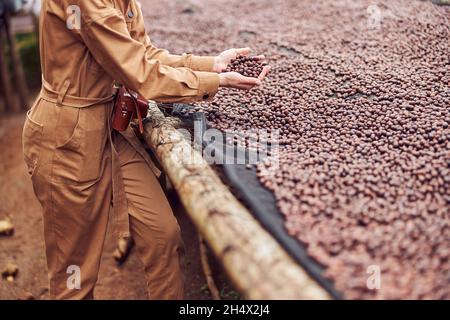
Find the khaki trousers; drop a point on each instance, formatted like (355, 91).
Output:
(69, 162)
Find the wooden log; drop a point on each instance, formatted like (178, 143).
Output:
(257, 265)
(5, 82)
(19, 74)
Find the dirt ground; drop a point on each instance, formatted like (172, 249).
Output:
(26, 247)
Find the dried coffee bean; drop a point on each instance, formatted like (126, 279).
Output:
(247, 66)
(364, 130)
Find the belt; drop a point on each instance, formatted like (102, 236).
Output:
(120, 207)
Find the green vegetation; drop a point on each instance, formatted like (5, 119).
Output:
(27, 45)
(28, 48)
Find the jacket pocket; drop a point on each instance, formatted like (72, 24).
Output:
(31, 143)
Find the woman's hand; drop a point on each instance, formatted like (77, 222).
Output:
(238, 81)
(222, 61)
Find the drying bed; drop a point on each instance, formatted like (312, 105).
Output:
(360, 94)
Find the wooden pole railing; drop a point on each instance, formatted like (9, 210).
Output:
(257, 265)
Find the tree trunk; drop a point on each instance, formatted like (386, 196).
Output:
(5, 82)
(19, 75)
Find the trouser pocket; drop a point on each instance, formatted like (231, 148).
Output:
(31, 143)
(80, 141)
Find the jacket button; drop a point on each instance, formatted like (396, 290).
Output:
(130, 14)
(206, 97)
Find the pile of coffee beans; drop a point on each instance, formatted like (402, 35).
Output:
(360, 96)
(247, 66)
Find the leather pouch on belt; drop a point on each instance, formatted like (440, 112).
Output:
(127, 106)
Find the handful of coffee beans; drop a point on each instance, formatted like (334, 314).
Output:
(247, 66)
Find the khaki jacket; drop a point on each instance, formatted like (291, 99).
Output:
(86, 46)
(108, 42)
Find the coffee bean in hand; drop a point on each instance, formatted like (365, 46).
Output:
(247, 66)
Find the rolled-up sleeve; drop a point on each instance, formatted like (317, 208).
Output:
(129, 62)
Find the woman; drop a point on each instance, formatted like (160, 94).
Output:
(79, 166)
